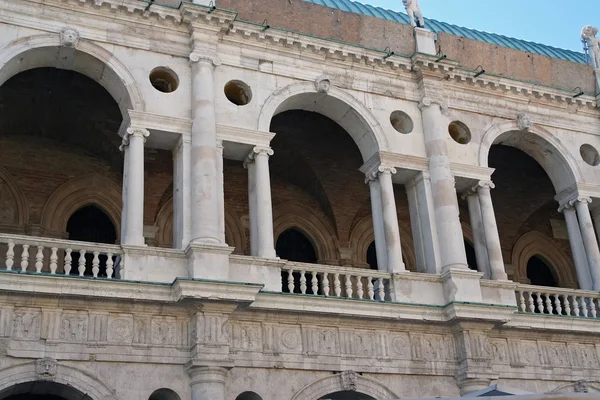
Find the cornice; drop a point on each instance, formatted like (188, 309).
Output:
(160, 122)
(240, 135)
(469, 171)
(398, 161)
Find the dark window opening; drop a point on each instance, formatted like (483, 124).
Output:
(292, 245)
(471, 259)
(539, 273)
(372, 257)
(90, 224)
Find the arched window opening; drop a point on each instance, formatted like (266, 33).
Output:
(164, 394)
(372, 257)
(42, 390)
(347, 395)
(91, 224)
(248, 396)
(471, 259)
(293, 245)
(539, 273)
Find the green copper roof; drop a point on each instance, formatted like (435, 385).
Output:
(437, 26)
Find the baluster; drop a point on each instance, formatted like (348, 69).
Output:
(10, 256)
(348, 286)
(359, 288)
(584, 306)
(540, 303)
(81, 268)
(575, 306)
(109, 265)
(566, 305)
(291, 280)
(325, 284)
(381, 289)
(314, 282)
(370, 289)
(68, 259)
(53, 260)
(337, 285)
(25, 258)
(530, 305)
(96, 264)
(303, 282)
(593, 307)
(549, 307)
(557, 304)
(522, 305)
(39, 259)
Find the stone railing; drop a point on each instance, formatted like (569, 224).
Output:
(56, 256)
(557, 301)
(330, 281)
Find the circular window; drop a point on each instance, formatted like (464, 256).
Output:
(164, 79)
(589, 154)
(238, 93)
(459, 132)
(401, 122)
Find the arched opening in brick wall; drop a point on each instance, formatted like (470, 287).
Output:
(42, 390)
(524, 202)
(540, 273)
(347, 395)
(471, 258)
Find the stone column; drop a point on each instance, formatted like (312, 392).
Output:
(208, 383)
(204, 153)
(390, 219)
(378, 230)
(481, 254)
(181, 194)
(221, 193)
(445, 202)
(420, 206)
(261, 211)
(589, 240)
(124, 191)
(133, 145)
(490, 227)
(576, 241)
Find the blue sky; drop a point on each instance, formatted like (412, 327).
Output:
(553, 22)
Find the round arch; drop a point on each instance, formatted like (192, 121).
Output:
(539, 144)
(335, 383)
(338, 105)
(71, 196)
(293, 214)
(535, 243)
(362, 236)
(164, 222)
(235, 234)
(93, 61)
(83, 382)
(10, 192)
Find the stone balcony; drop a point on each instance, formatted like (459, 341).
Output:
(70, 268)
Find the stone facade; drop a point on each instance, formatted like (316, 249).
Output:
(199, 204)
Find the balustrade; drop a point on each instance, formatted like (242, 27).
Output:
(556, 301)
(341, 282)
(56, 257)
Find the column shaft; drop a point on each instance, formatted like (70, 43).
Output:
(420, 207)
(589, 241)
(490, 227)
(481, 254)
(124, 191)
(378, 229)
(252, 208)
(181, 195)
(576, 241)
(390, 222)
(204, 156)
(264, 209)
(134, 146)
(221, 191)
(445, 202)
(208, 383)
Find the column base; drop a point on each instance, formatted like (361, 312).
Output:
(461, 285)
(472, 385)
(207, 261)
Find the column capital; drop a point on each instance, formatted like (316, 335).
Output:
(569, 204)
(131, 132)
(428, 101)
(203, 373)
(382, 169)
(208, 58)
(257, 150)
(489, 185)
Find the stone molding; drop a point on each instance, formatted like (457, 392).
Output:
(14, 209)
(345, 381)
(133, 132)
(212, 59)
(256, 151)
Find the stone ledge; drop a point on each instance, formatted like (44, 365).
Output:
(554, 323)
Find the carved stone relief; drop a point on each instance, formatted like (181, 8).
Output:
(247, 337)
(120, 330)
(27, 325)
(164, 330)
(349, 380)
(46, 368)
(321, 341)
(73, 328)
(290, 339)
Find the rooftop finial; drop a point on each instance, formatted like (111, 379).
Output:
(588, 35)
(414, 10)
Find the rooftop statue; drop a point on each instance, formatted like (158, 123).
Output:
(588, 35)
(414, 10)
